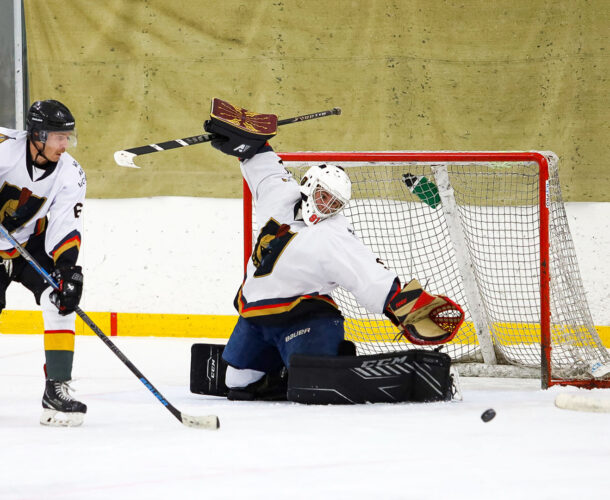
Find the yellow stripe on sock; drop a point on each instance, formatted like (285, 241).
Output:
(58, 340)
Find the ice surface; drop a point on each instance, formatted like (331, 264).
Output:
(131, 447)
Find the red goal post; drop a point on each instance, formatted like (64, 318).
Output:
(484, 195)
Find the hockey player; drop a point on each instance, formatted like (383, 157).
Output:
(41, 202)
(305, 249)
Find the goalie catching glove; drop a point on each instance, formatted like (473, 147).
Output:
(425, 319)
(238, 131)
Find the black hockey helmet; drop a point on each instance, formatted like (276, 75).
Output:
(48, 116)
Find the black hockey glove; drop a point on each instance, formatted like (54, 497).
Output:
(70, 282)
(238, 131)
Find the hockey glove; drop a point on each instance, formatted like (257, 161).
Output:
(70, 282)
(424, 319)
(239, 132)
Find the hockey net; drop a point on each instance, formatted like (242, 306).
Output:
(487, 229)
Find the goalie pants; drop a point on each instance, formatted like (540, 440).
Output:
(269, 348)
(58, 330)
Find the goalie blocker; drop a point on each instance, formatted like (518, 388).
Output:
(239, 132)
(406, 376)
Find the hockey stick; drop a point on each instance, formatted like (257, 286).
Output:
(205, 422)
(125, 157)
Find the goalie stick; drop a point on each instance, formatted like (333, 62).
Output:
(125, 157)
(203, 422)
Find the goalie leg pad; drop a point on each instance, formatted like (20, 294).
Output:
(406, 376)
(432, 380)
(382, 378)
(208, 370)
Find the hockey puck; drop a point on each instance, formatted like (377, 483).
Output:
(488, 415)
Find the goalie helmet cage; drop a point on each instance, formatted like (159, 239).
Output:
(492, 234)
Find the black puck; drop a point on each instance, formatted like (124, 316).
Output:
(488, 415)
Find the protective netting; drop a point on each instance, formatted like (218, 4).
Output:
(479, 243)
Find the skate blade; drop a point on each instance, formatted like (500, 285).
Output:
(54, 418)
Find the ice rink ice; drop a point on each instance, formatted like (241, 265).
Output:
(131, 447)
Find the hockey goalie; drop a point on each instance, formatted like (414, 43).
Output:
(289, 339)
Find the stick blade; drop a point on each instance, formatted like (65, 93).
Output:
(125, 159)
(579, 402)
(204, 422)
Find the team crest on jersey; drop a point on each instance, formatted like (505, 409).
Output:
(9, 205)
(4, 138)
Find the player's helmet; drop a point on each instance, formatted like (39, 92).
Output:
(325, 190)
(48, 116)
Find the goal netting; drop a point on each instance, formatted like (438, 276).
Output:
(487, 229)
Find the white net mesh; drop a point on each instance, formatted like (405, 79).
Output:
(480, 246)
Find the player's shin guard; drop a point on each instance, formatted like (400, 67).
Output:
(58, 340)
(414, 375)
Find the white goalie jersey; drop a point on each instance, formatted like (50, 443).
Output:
(292, 262)
(59, 193)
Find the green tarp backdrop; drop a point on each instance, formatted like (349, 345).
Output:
(408, 75)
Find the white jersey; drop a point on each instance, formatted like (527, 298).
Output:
(59, 194)
(302, 263)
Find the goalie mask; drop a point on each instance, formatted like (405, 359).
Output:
(325, 190)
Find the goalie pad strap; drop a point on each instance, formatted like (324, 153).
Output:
(413, 375)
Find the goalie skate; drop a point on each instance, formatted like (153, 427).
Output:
(60, 409)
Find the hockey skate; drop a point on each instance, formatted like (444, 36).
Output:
(60, 409)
